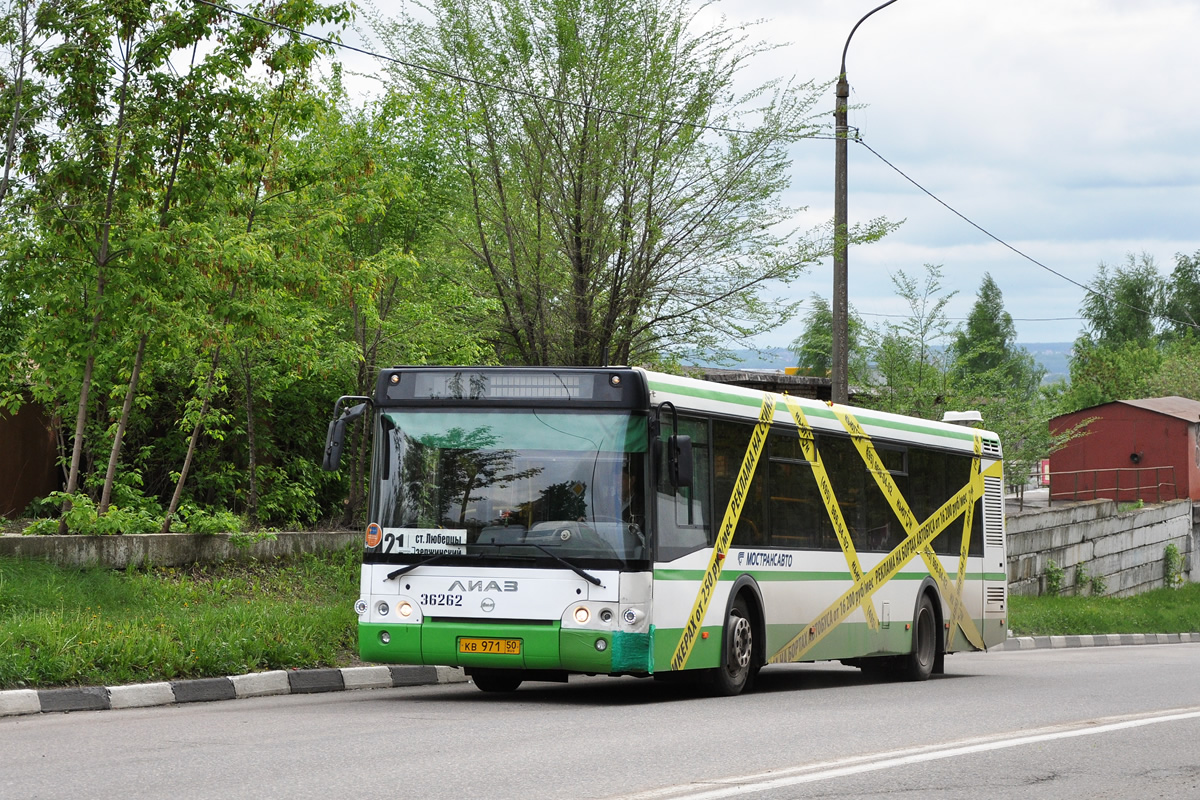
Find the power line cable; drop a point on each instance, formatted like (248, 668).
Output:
(1023, 255)
(699, 126)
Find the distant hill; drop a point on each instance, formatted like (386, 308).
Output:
(1054, 356)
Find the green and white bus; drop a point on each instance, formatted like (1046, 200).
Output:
(528, 524)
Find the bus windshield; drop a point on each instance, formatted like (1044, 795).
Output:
(522, 483)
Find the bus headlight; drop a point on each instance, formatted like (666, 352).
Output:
(382, 608)
(582, 615)
(360, 606)
(405, 609)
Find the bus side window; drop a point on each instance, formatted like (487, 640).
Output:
(797, 515)
(730, 441)
(683, 511)
(847, 475)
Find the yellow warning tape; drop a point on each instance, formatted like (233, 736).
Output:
(919, 536)
(825, 489)
(964, 548)
(728, 525)
(887, 484)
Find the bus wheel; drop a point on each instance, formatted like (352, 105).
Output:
(737, 668)
(918, 666)
(495, 682)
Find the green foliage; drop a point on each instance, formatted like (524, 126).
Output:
(84, 519)
(1098, 585)
(1179, 373)
(193, 519)
(814, 348)
(1182, 306)
(1172, 567)
(1157, 611)
(94, 627)
(911, 374)
(603, 218)
(1054, 578)
(987, 344)
(1101, 373)
(1125, 303)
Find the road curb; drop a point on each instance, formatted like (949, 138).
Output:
(1096, 640)
(16, 702)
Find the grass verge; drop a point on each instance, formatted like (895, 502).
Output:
(1157, 611)
(95, 627)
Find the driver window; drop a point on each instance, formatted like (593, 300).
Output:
(683, 511)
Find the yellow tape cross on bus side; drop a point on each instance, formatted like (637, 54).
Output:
(919, 536)
(732, 513)
(887, 484)
(825, 489)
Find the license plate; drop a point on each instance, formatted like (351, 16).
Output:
(506, 647)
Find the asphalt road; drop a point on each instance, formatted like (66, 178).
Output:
(1090, 722)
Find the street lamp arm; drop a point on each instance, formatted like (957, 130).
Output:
(852, 30)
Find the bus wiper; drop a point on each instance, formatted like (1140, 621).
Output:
(397, 573)
(580, 571)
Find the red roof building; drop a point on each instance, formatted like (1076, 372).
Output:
(1134, 450)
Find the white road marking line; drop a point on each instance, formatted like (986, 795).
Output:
(855, 765)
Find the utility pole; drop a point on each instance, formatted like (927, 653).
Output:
(841, 303)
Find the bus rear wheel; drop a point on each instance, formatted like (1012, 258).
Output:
(918, 665)
(737, 669)
(487, 681)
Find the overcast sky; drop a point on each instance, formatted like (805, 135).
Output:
(1068, 129)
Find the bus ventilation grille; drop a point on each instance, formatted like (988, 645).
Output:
(993, 512)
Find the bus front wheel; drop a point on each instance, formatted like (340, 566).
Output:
(918, 665)
(737, 668)
(495, 682)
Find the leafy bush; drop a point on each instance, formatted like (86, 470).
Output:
(1172, 567)
(1054, 578)
(194, 519)
(84, 518)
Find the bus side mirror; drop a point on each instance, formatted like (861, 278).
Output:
(336, 435)
(679, 460)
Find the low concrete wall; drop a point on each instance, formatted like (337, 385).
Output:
(1125, 550)
(168, 549)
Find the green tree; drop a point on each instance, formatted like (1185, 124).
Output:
(988, 340)
(1182, 306)
(814, 347)
(1179, 373)
(624, 200)
(1124, 305)
(911, 370)
(1103, 373)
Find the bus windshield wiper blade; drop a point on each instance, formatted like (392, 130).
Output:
(397, 573)
(580, 571)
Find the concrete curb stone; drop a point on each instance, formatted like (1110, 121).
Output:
(140, 695)
(86, 698)
(203, 690)
(312, 681)
(16, 702)
(261, 684)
